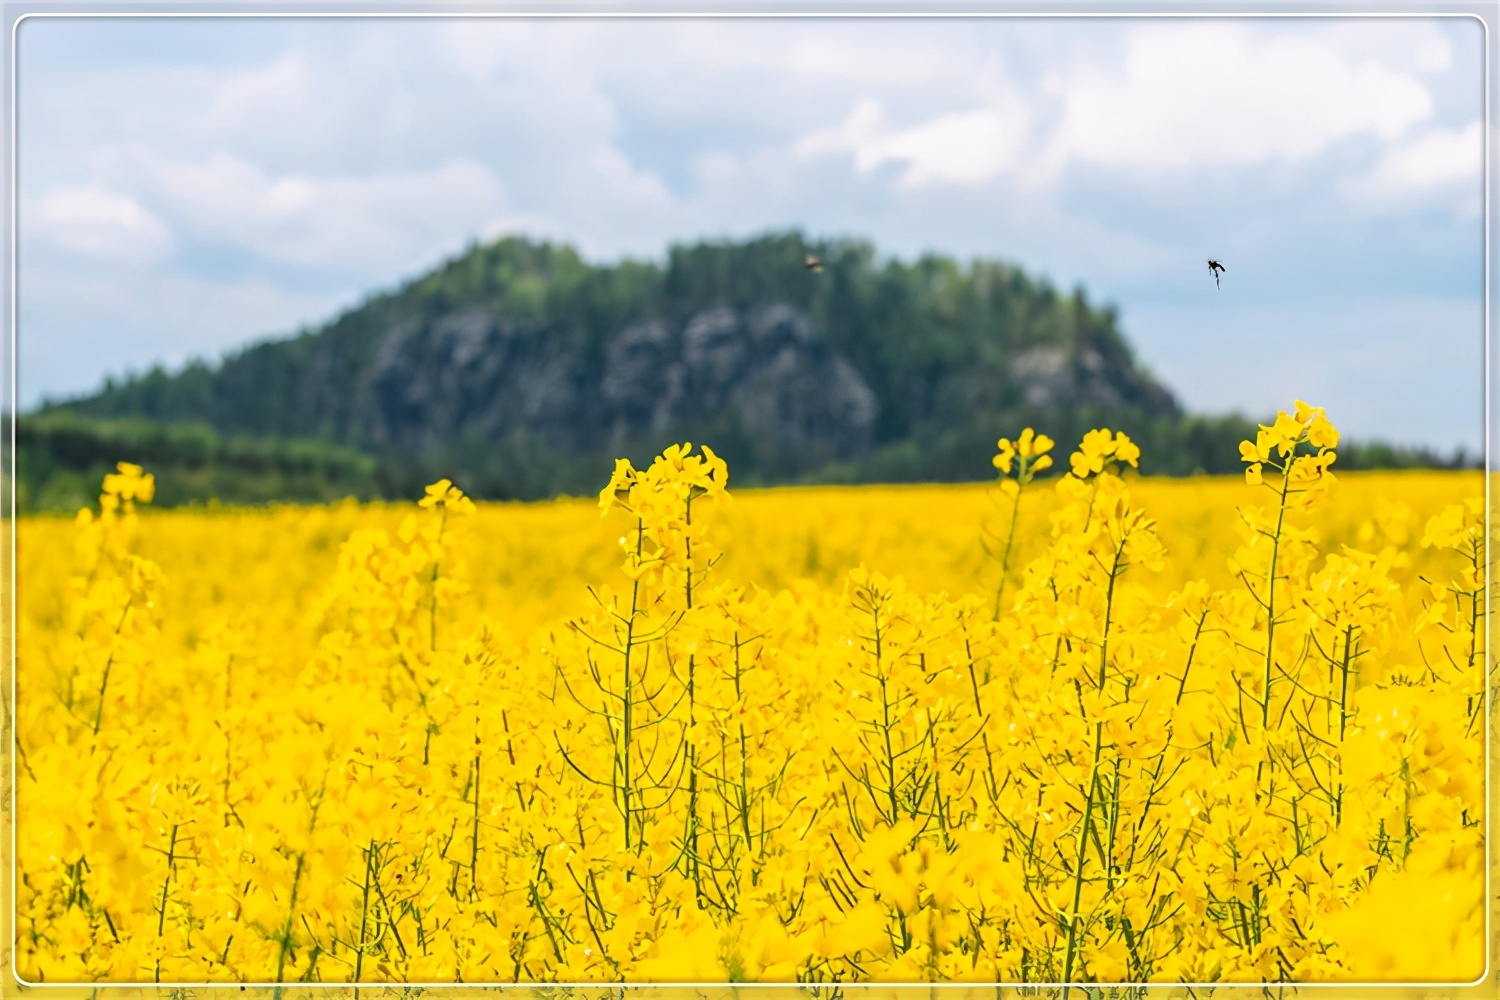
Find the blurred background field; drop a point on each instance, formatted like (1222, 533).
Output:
(532, 562)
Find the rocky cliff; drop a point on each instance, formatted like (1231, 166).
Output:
(522, 353)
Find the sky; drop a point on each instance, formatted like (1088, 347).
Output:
(188, 186)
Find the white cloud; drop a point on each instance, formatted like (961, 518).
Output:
(1436, 157)
(1172, 96)
(276, 89)
(97, 223)
(1414, 44)
(964, 147)
(1204, 94)
(853, 52)
(480, 49)
(330, 222)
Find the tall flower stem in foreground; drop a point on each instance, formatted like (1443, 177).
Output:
(1028, 456)
(1276, 445)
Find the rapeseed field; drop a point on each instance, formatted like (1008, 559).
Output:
(1071, 726)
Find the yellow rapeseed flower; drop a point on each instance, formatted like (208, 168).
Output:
(796, 741)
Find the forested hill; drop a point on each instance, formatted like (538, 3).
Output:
(521, 371)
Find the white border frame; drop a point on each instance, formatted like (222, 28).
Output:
(9, 409)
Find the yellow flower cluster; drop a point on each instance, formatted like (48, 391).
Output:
(661, 500)
(1308, 426)
(1031, 448)
(1100, 449)
(334, 751)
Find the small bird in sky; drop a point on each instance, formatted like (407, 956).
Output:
(1215, 268)
(813, 264)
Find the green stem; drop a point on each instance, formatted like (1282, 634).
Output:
(286, 930)
(1010, 537)
(104, 683)
(628, 713)
(1075, 919)
(474, 851)
(1265, 713)
(161, 919)
(432, 608)
(364, 910)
